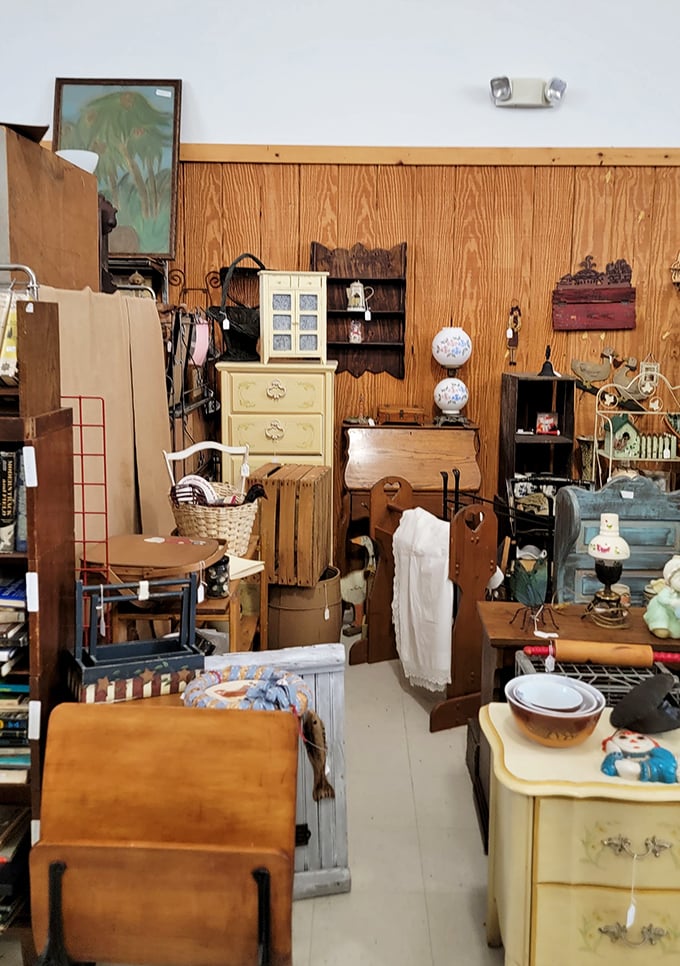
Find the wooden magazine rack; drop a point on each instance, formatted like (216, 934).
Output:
(167, 836)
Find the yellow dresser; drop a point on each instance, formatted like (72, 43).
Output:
(570, 848)
(284, 412)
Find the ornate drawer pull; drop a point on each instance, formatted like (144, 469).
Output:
(276, 390)
(649, 934)
(275, 430)
(653, 846)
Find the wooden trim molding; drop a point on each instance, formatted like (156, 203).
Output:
(496, 156)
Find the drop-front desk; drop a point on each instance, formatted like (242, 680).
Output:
(418, 454)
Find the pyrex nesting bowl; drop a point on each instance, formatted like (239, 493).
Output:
(554, 710)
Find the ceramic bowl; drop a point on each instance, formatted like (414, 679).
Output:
(551, 726)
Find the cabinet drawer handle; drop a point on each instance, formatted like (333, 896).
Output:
(276, 390)
(275, 430)
(648, 934)
(653, 846)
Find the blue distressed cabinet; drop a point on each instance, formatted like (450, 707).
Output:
(649, 521)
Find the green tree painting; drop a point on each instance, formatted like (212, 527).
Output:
(133, 127)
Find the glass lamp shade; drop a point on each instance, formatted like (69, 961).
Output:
(451, 395)
(452, 347)
(608, 545)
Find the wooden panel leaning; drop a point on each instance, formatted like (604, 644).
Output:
(161, 816)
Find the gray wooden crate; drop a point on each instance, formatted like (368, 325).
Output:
(322, 865)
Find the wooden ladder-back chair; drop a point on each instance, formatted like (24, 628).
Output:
(389, 497)
(184, 454)
(167, 836)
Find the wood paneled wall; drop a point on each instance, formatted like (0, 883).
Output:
(479, 238)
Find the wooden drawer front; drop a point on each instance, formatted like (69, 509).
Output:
(279, 434)
(662, 536)
(276, 391)
(571, 835)
(567, 921)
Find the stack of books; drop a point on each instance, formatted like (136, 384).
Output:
(13, 533)
(15, 754)
(13, 629)
(14, 686)
(15, 822)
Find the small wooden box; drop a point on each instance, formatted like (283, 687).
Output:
(412, 415)
(295, 521)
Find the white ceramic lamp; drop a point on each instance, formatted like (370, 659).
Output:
(451, 348)
(608, 549)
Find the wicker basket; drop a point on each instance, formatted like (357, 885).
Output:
(234, 524)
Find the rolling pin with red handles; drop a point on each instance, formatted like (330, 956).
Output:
(603, 652)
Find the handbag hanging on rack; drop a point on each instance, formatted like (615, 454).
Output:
(239, 323)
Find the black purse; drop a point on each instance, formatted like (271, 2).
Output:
(239, 323)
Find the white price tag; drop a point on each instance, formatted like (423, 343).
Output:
(30, 466)
(627, 495)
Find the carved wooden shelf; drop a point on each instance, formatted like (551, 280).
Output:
(382, 348)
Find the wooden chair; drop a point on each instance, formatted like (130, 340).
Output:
(168, 835)
(184, 454)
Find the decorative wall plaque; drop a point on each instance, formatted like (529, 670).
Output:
(595, 300)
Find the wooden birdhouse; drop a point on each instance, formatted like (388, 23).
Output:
(621, 438)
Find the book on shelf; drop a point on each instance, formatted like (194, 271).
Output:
(8, 506)
(10, 908)
(15, 761)
(11, 818)
(12, 623)
(12, 593)
(13, 739)
(13, 700)
(13, 776)
(21, 530)
(17, 662)
(14, 837)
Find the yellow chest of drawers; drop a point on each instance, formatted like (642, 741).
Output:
(570, 847)
(283, 412)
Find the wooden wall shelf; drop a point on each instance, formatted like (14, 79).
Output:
(382, 347)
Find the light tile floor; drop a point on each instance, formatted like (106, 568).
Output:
(416, 858)
(415, 852)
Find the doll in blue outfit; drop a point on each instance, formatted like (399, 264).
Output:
(638, 757)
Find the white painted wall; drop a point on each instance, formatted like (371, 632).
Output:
(361, 72)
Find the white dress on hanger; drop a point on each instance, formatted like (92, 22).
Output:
(422, 600)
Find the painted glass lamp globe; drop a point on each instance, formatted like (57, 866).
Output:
(451, 348)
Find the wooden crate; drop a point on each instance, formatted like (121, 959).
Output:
(295, 521)
(321, 852)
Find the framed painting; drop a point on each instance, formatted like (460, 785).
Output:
(133, 125)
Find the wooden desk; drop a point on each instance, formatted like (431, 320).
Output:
(501, 638)
(559, 884)
(416, 453)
